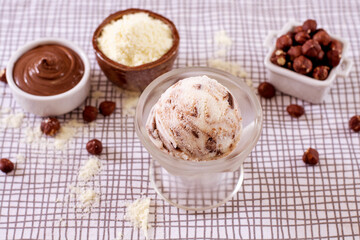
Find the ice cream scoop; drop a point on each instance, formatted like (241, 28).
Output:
(195, 119)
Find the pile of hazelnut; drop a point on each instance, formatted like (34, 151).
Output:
(308, 51)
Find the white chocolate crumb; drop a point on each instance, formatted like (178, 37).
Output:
(97, 94)
(230, 67)
(137, 213)
(12, 120)
(91, 168)
(20, 158)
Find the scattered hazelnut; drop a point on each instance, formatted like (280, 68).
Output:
(333, 58)
(94, 147)
(336, 45)
(278, 57)
(311, 48)
(294, 52)
(298, 29)
(309, 26)
(311, 156)
(302, 65)
(354, 123)
(3, 76)
(50, 126)
(107, 107)
(302, 37)
(90, 113)
(322, 37)
(321, 72)
(284, 42)
(6, 165)
(295, 110)
(266, 90)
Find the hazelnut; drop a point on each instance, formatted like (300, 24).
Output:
(322, 37)
(309, 25)
(321, 72)
(94, 147)
(302, 37)
(336, 45)
(291, 34)
(333, 58)
(3, 76)
(298, 29)
(295, 110)
(107, 107)
(90, 113)
(302, 65)
(311, 156)
(320, 56)
(266, 90)
(50, 126)
(294, 52)
(288, 65)
(311, 48)
(354, 123)
(278, 57)
(6, 165)
(284, 42)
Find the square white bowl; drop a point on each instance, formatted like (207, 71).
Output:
(298, 85)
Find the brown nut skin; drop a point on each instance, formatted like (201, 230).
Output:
(284, 42)
(50, 126)
(311, 48)
(90, 113)
(294, 52)
(322, 37)
(354, 123)
(94, 147)
(266, 90)
(6, 165)
(333, 58)
(288, 65)
(336, 45)
(107, 107)
(321, 72)
(309, 26)
(320, 56)
(278, 57)
(298, 29)
(311, 156)
(3, 76)
(302, 65)
(302, 37)
(295, 110)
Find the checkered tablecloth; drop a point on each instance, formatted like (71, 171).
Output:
(281, 197)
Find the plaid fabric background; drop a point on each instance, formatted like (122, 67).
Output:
(281, 197)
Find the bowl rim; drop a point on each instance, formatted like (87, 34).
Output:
(297, 76)
(44, 41)
(149, 145)
(117, 15)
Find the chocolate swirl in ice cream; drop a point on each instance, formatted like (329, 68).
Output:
(196, 119)
(48, 70)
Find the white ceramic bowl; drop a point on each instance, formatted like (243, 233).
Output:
(299, 85)
(50, 105)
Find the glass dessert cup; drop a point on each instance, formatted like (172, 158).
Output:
(200, 185)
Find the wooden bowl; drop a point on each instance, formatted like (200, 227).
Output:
(138, 77)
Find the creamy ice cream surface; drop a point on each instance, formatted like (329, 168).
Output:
(196, 119)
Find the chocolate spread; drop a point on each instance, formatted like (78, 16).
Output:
(48, 70)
